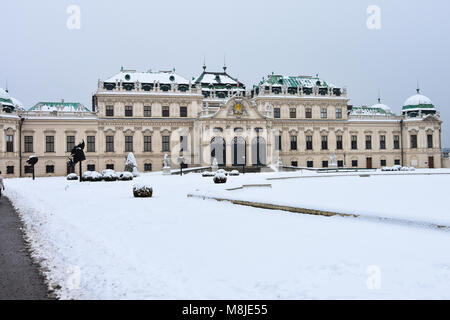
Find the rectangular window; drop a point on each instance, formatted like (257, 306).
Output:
(28, 169)
(323, 113)
(309, 145)
(354, 142)
(70, 143)
(430, 141)
(276, 112)
(28, 140)
(308, 113)
(147, 111)
(110, 166)
(339, 142)
(413, 141)
(165, 111)
(110, 111)
(147, 167)
(183, 112)
(128, 111)
(292, 113)
(294, 163)
(293, 142)
(109, 143)
(9, 143)
(354, 163)
(368, 142)
(91, 167)
(397, 162)
(325, 164)
(183, 143)
(278, 142)
(340, 163)
(396, 142)
(338, 113)
(382, 142)
(49, 144)
(10, 169)
(91, 144)
(383, 163)
(49, 169)
(128, 143)
(147, 143)
(310, 164)
(166, 143)
(324, 143)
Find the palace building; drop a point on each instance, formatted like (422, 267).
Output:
(302, 120)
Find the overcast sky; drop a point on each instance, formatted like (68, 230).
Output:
(42, 60)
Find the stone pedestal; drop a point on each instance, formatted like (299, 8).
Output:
(166, 171)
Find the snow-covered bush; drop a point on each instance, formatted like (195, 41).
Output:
(233, 173)
(220, 177)
(72, 176)
(208, 174)
(398, 168)
(131, 165)
(124, 176)
(142, 190)
(92, 176)
(222, 171)
(109, 175)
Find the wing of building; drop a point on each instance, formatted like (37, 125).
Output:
(301, 120)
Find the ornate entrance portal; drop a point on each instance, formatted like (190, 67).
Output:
(238, 151)
(259, 151)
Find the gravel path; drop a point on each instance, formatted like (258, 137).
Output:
(19, 277)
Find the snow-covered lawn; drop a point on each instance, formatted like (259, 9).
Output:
(406, 196)
(172, 246)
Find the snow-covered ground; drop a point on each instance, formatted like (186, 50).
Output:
(96, 241)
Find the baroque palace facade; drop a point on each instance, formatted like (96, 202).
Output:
(302, 120)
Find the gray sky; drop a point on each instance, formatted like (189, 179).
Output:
(43, 60)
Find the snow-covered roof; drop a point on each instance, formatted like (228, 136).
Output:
(17, 104)
(373, 110)
(148, 77)
(59, 106)
(418, 102)
(295, 81)
(381, 106)
(5, 98)
(216, 78)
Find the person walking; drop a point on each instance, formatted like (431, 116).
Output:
(2, 186)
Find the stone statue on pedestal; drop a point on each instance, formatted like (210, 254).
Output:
(215, 165)
(166, 165)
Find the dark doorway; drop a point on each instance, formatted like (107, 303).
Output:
(218, 150)
(238, 151)
(259, 151)
(431, 162)
(369, 163)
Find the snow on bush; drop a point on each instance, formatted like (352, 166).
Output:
(142, 190)
(220, 177)
(125, 175)
(92, 176)
(109, 175)
(398, 168)
(131, 165)
(222, 171)
(208, 174)
(72, 176)
(234, 173)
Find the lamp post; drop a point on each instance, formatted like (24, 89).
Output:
(181, 161)
(243, 165)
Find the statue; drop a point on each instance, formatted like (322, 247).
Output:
(333, 161)
(279, 164)
(77, 156)
(166, 165)
(215, 165)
